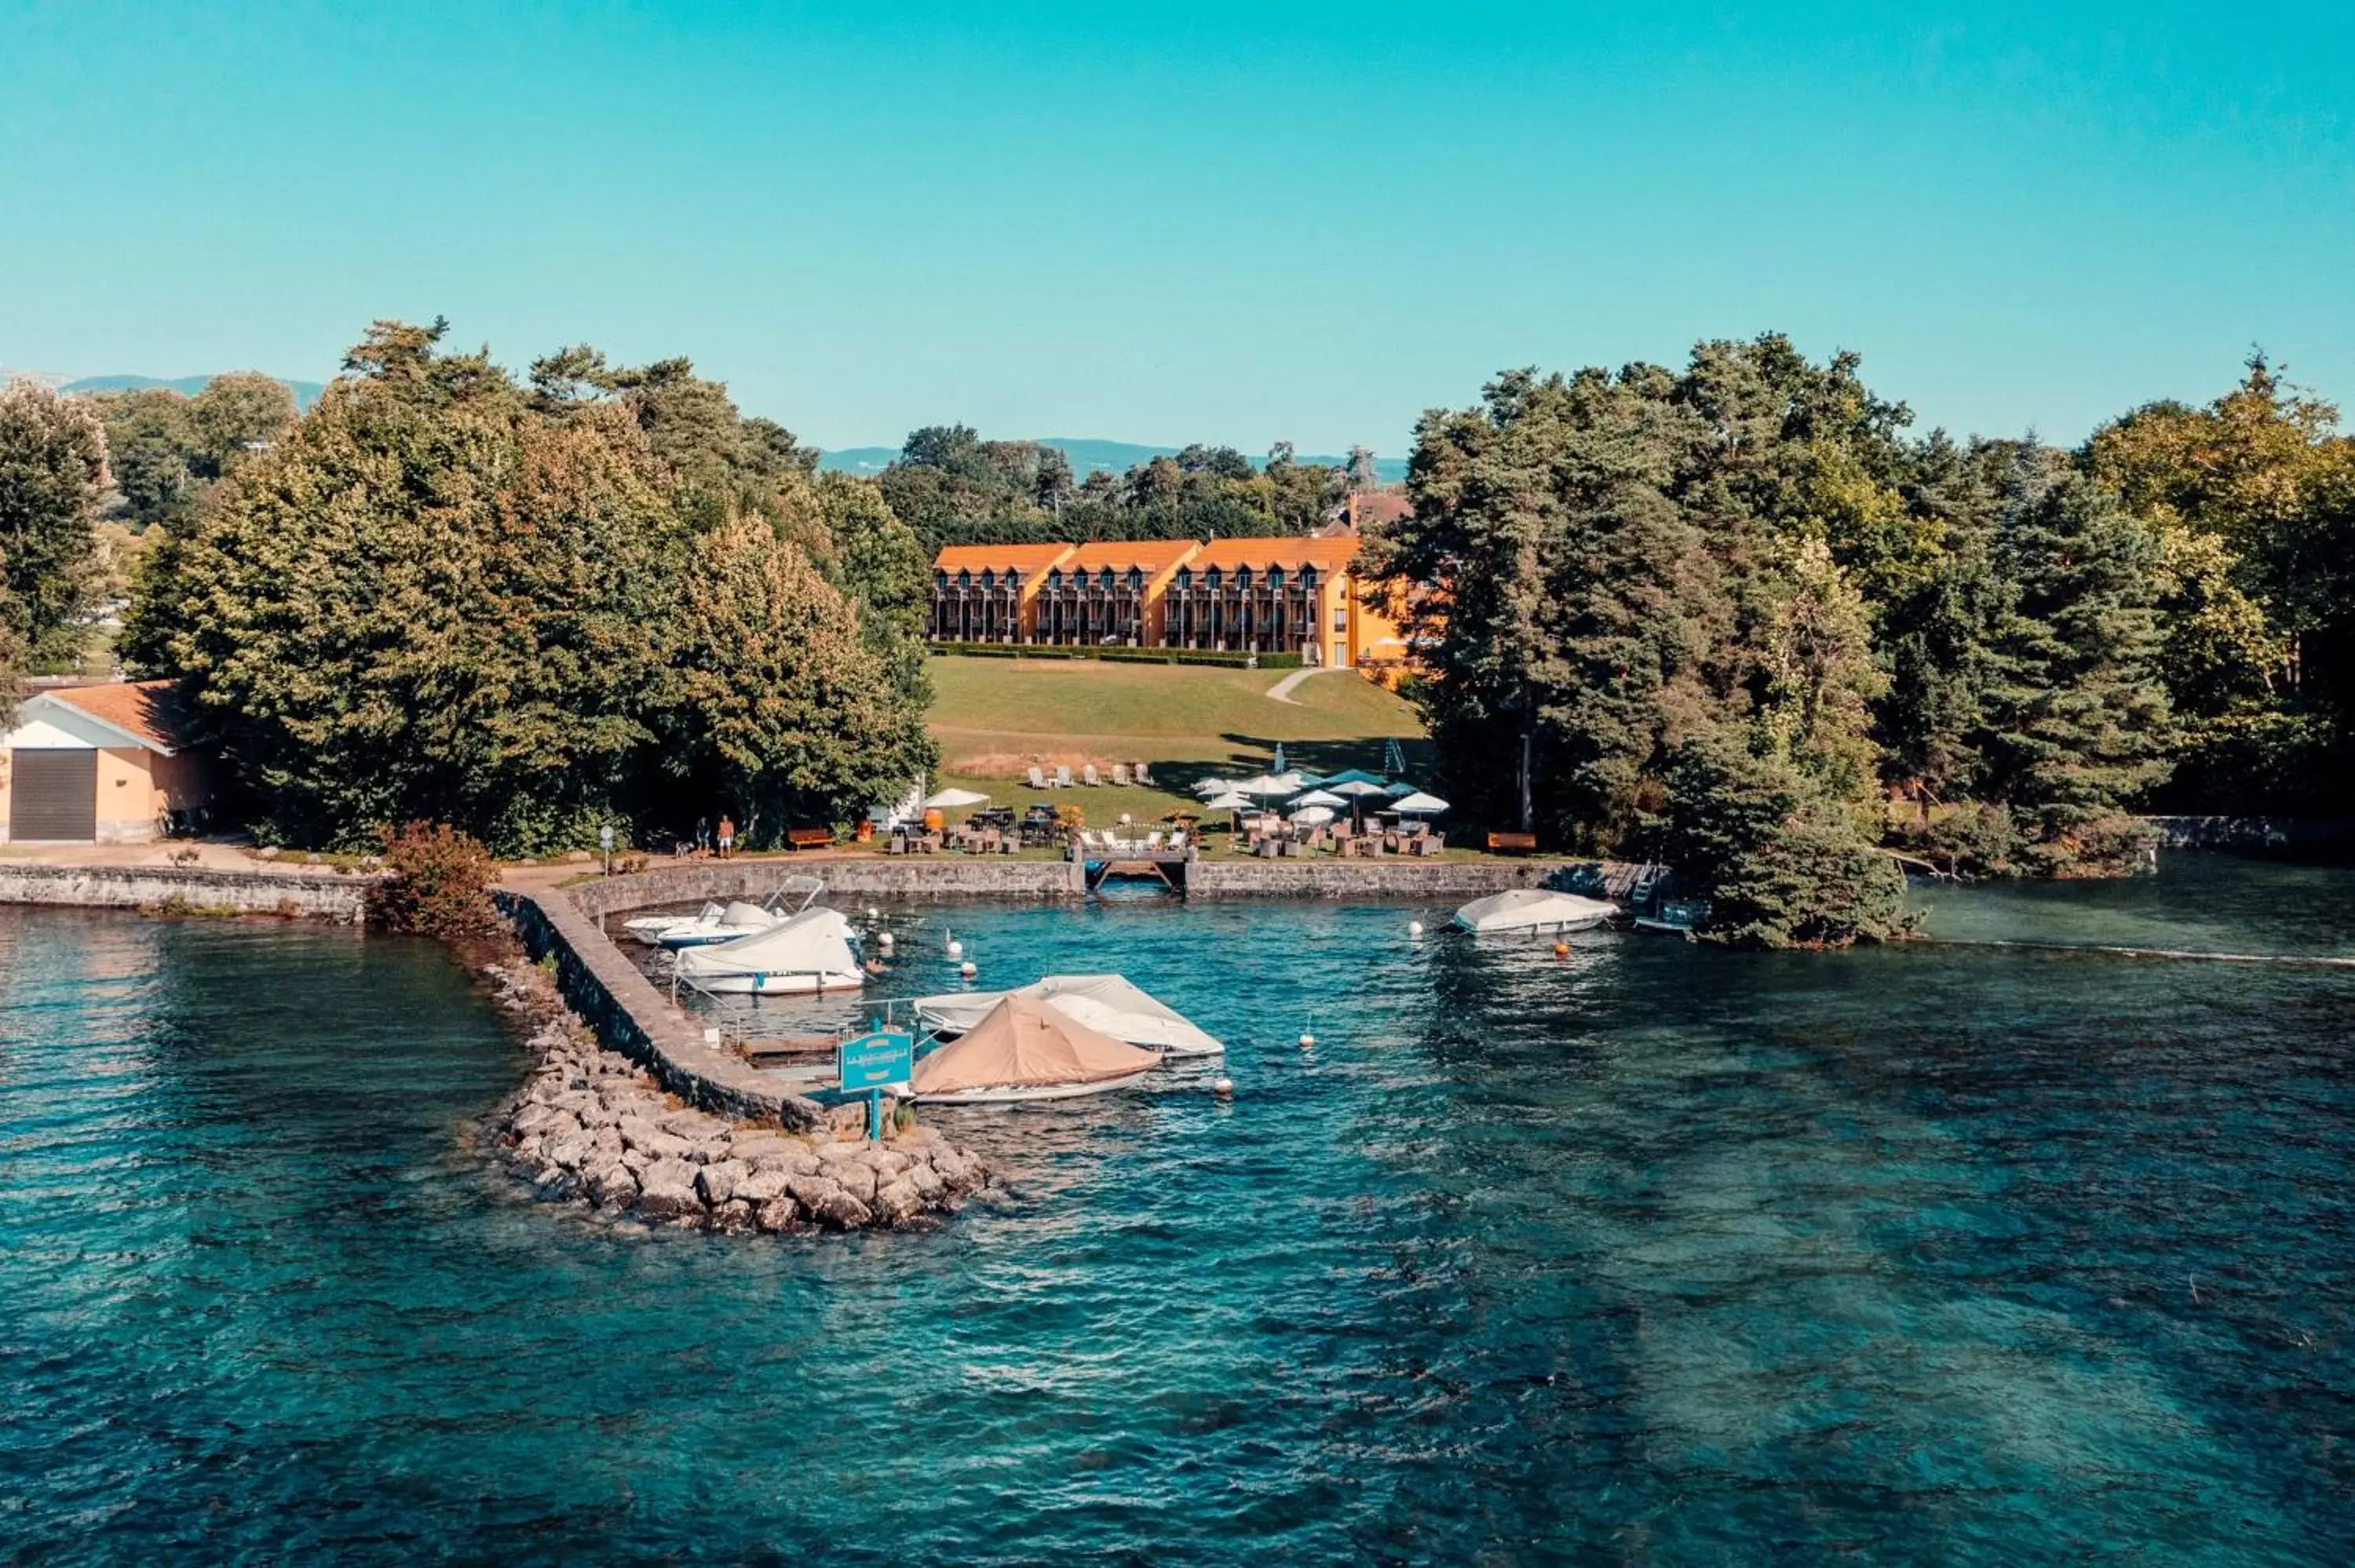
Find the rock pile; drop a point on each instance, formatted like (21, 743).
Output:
(592, 1126)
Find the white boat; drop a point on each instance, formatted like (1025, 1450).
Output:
(716, 923)
(1106, 1003)
(1025, 1049)
(802, 953)
(650, 928)
(1533, 909)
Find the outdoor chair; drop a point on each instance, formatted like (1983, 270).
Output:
(1063, 777)
(1037, 778)
(1087, 776)
(895, 845)
(1119, 774)
(1264, 849)
(1152, 841)
(1144, 775)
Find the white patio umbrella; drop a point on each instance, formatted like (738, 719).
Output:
(1314, 816)
(948, 800)
(1320, 798)
(1356, 790)
(1207, 787)
(1227, 801)
(1264, 785)
(1418, 805)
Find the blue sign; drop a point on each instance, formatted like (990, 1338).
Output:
(875, 1061)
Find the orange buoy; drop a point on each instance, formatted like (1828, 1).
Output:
(1561, 949)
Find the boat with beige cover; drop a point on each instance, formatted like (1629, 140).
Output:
(1028, 1049)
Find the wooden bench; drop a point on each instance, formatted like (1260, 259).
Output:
(1513, 843)
(808, 838)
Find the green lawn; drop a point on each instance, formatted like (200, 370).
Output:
(995, 717)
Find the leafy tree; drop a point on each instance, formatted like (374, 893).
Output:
(52, 474)
(151, 442)
(1780, 865)
(788, 716)
(877, 564)
(234, 416)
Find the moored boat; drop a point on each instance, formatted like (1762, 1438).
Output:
(1026, 1049)
(808, 952)
(1107, 1002)
(1533, 909)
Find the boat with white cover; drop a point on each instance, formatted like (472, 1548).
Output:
(1107, 1002)
(716, 923)
(808, 952)
(1026, 1049)
(1533, 909)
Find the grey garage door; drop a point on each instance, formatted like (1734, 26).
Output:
(53, 794)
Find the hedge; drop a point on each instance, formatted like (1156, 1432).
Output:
(1218, 656)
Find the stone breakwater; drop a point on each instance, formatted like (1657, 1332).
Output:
(592, 1127)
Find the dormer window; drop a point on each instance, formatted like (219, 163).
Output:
(939, 576)
(1104, 579)
(965, 578)
(1242, 577)
(1136, 580)
(1055, 577)
(1308, 579)
(988, 579)
(1211, 577)
(1185, 579)
(1275, 577)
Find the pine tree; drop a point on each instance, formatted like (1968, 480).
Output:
(2077, 717)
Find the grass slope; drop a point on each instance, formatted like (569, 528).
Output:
(995, 717)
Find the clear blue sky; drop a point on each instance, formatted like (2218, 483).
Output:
(1169, 223)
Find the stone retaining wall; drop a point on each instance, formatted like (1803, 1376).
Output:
(599, 982)
(1376, 881)
(312, 896)
(2279, 833)
(913, 878)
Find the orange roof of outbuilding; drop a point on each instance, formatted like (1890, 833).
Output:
(146, 710)
(1290, 552)
(999, 558)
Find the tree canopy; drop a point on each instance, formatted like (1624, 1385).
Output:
(52, 474)
(527, 609)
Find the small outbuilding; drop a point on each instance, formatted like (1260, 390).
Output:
(101, 764)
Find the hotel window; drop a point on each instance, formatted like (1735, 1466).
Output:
(1243, 578)
(1340, 620)
(988, 579)
(1136, 580)
(1185, 579)
(1308, 579)
(1055, 578)
(1275, 577)
(965, 579)
(1106, 579)
(940, 578)
(1211, 577)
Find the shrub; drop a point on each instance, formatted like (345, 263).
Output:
(438, 886)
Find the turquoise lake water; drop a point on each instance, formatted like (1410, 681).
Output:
(1656, 1256)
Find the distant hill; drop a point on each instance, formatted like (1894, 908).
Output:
(305, 392)
(1088, 455)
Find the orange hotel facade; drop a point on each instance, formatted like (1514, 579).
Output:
(1287, 594)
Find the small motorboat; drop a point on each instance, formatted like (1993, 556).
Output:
(1677, 918)
(808, 952)
(650, 928)
(1532, 910)
(1026, 1049)
(1106, 1003)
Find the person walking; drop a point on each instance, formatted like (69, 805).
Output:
(703, 835)
(727, 836)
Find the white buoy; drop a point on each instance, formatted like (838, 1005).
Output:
(1307, 1040)
(1225, 1088)
(873, 913)
(970, 970)
(957, 949)
(883, 941)
(1414, 927)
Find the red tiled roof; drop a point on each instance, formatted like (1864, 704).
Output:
(1290, 552)
(999, 558)
(141, 708)
(1149, 555)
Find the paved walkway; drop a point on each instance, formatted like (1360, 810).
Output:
(1281, 691)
